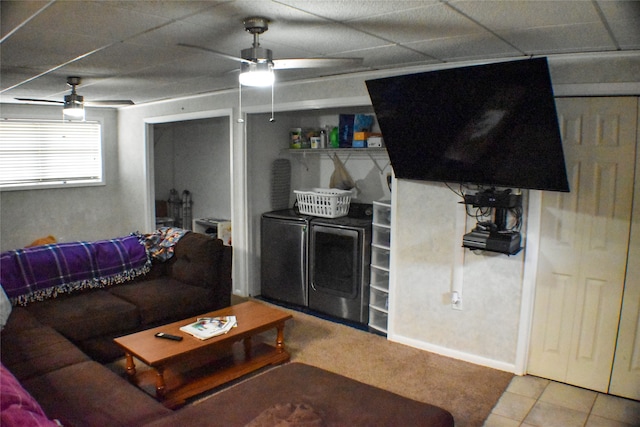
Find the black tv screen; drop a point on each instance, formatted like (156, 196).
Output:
(491, 125)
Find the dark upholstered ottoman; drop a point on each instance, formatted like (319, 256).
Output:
(305, 395)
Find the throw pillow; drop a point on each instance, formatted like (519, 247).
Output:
(42, 241)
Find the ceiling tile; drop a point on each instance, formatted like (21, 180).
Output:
(84, 18)
(329, 39)
(15, 13)
(424, 23)
(348, 10)
(561, 39)
(520, 14)
(624, 19)
(398, 55)
(168, 9)
(47, 49)
(463, 48)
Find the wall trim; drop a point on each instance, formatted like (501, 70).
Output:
(455, 354)
(529, 277)
(240, 265)
(147, 123)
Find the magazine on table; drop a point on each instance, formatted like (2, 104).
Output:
(209, 327)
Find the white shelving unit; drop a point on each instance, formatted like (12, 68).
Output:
(380, 254)
(214, 227)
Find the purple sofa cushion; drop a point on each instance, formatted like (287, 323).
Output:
(17, 407)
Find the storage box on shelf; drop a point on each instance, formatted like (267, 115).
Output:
(317, 125)
(380, 255)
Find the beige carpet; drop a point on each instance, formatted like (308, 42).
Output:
(466, 390)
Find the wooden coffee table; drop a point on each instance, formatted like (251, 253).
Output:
(182, 369)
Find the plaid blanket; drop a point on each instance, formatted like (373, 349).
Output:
(161, 243)
(34, 274)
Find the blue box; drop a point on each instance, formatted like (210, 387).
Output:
(359, 143)
(350, 123)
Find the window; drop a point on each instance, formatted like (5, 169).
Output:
(38, 154)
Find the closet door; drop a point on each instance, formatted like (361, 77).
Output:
(625, 379)
(583, 245)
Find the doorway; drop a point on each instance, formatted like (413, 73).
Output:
(191, 159)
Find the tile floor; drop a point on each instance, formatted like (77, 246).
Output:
(533, 401)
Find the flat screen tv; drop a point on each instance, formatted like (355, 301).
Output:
(491, 125)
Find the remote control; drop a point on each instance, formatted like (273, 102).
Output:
(168, 336)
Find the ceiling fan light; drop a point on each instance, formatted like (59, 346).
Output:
(259, 74)
(73, 107)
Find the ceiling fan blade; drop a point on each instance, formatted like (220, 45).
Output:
(114, 103)
(108, 103)
(206, 49)
(39, 101)
(282, 64)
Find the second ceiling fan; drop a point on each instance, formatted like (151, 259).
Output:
(257, 63)
(74, 99)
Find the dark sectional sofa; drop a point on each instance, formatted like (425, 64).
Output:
(196, 279)
(51, 375)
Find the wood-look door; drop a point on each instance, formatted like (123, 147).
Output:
(584, 240)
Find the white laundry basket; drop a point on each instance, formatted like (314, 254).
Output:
(324, 202)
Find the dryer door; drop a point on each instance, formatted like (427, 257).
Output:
(337, 274)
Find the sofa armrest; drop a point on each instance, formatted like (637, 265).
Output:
(200, 260)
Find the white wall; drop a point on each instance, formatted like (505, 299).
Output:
(69, 214)
(429, 223)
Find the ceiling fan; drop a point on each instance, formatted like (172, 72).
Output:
(74, 100)
(257, 61)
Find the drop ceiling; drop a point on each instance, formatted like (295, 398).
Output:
(130, 49)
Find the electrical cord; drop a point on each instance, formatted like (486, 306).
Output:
(480, 213)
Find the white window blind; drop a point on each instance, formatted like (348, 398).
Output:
(48, 153)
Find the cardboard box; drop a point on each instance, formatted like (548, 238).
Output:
(374, 141)
(364, 136)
